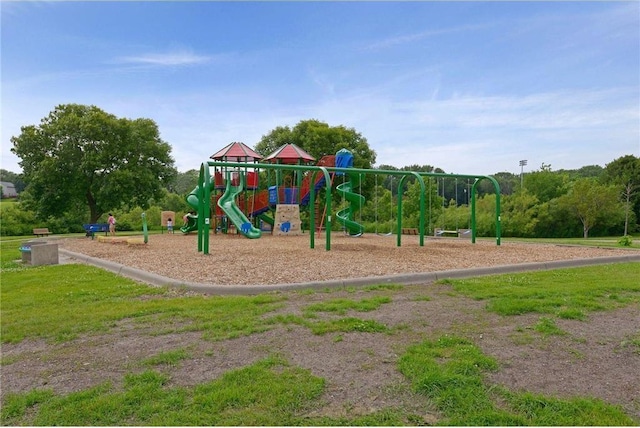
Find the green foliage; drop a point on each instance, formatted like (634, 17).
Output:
(450, 371)
(80, 154)
(15, 221)
(624, 173)
(545, 185)
(185, 182)
(626, 241)
(520, 214)
(319, 139)
(593, 204)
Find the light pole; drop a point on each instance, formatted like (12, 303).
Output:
(522, 165)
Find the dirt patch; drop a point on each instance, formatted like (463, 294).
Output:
(592, 359)
(360, 369)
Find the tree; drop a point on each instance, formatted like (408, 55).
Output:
(545, 184)
(520, 214)
(319, 139)
(625, 173)
(592, 203)
(14, 178)
(185, 182)
(80, 155)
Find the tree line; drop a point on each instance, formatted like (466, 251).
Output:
(80, 163)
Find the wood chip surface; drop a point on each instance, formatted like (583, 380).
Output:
(236, 260)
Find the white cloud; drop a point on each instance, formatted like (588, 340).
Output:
(175, 58)
(422, 35)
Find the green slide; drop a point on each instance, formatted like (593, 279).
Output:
(234, 214)
(345, 216)
(192, 220)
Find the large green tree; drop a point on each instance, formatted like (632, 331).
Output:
(80, 155)
(593, 203)
(319, 139)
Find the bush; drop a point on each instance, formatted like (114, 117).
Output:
(625, 241)
(14, 221)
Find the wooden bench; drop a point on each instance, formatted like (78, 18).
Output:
(410, 231)
(41, 231)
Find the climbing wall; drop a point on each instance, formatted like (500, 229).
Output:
(287, 220)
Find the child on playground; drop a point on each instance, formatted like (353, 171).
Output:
(169, 225)
(112, 224)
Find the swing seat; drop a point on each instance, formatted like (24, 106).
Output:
(458, 233)
(441, 232)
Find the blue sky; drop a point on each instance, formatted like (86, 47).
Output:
(470, 87)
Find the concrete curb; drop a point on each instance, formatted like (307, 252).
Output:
(400, 279)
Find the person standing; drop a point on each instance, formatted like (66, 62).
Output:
(112, 224)
(169, 225)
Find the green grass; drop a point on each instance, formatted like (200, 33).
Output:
(269, 392)
(548, 327)
(342, 306)
(61, 302)
(169, 358)
(566, 293)
(451, 371)
(601, 241)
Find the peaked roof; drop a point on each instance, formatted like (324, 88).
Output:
(290, 154)
(236, 152)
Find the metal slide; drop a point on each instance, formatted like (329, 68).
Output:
(234, 214)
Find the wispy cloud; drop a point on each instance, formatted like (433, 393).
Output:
(414, 37)
(168, 59)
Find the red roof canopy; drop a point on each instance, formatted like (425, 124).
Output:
(289, 154)
(236, 152)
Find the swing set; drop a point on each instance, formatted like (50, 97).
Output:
(322, 175)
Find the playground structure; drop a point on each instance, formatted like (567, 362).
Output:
(239, 205)
(238, 202)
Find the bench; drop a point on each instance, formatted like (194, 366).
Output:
(91, 229)
(410, 231)
(41, 231)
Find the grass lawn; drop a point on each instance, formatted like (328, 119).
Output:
(58, 304)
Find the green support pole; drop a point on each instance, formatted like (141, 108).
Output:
(422, 208)
(496, 187)
(312, 214)
(204, 208)
(473, 213)
(204, 197)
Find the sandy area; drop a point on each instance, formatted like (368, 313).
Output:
(235, 260)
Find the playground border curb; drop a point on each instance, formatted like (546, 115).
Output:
(400, 279)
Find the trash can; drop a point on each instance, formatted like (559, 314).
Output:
(38, 253)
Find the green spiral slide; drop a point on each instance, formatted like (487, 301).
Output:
(235, 214)
(356, 201)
